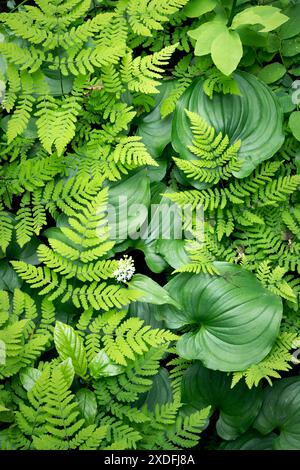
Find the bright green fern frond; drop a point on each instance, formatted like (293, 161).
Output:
(132, 338)
(147, 15)
(142, 74)
(279, 359)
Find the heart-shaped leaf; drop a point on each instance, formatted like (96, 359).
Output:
(238, 406)
(281, 411)
(233, 319)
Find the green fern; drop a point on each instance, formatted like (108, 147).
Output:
(132, 338)
(278, 360)
(23, 340)
(274, 281)
(77, 254)
(50, 424)
(6, 228)
(216, 82)
(147, 15)
(142, 73)
(217, 160)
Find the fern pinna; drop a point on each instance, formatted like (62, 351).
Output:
(104, 100)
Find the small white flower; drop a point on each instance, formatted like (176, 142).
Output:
(125, 269)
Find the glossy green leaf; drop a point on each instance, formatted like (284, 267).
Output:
(155, 130)
(9, 280)
(28, 377)
(151, 292)
(254, 117)
(232, 319)
(196, 8)
(128, 201)
(294, 124)
(272, 72)
(205, 35)
(238, 407)
(69, 345)
(281, 411)
(154, 261)
(26, 253)
(102, 366)
(268, 17)
(87, 403)
(173, 252)
(67, 369)
(227, 51)
(291, 47)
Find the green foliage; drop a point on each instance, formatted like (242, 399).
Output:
(76, 252)
(279, 359)
(122, 122)
(274, 415)
(211, 306)
(223, 34)
(22, 339)
(217, 160)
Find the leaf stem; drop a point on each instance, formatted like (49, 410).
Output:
(232, 12)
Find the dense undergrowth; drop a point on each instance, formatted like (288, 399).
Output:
(149, 224)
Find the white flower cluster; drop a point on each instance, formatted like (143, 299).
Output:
(125, 269)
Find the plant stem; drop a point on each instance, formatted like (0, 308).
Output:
(232, 11)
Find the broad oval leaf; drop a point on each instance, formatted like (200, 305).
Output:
(155, 130)
(233, 319)
(151, 292)
(196, 8)
(281, 411)
(238, 406)
(268, 17)
(87, 403)
(272, 72)
(205, 35)
(229, 41)
(102, 366)
(254, 117)
(69, 345)
(127, 208)
(28, 377)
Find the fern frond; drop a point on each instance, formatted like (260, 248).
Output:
(142, 74)
(279, 359)
(147, 15)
